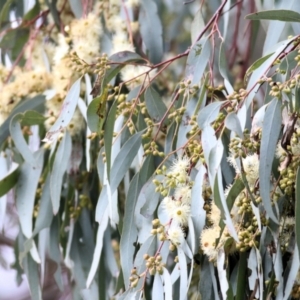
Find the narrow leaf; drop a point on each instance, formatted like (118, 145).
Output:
(151, 30)
(155, 105)
(66, 113)
(270, 132)
(10, 180)
(197, 60)
(124, 160)
(60, 165)
(26, 189)
(129, 232)
(276, 14)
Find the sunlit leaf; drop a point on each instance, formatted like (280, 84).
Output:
(66, 113)
(270, 132)
(26, 189)
(60, 165)
(197, 60)
(276, 14)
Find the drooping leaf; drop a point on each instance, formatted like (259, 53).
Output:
(208, 114)
(223, 68)
(60, 165)
(242, 272)
(197, 60)
(19, 140)
(10, 179)
(98, 249)
(26, 189)
(197, 25)
(66, 113)
(155, 105)
(108, 135)
(276, 14)
(32, 274)
(124, 160)
(151, 30)
(270, 132)
(45, 216)
(129, 232)
(232, 122)
(96, 112)
(257, 64)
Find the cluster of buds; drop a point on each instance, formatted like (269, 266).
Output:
(154, 264)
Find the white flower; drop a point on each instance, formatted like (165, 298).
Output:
(280, 152)
(215, 214)
(61, 50)
(177, 211)
(175, 234)
(251, 168)
(183, 194)
(179, 169)
(135, 75)
(208, 242)
(181, 213)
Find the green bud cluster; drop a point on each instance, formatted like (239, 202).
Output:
(154, 264)
(152, 148)
(219, 120)
(75, 210)
(247, 238)
(195, 151)
(177, 114)
(195, 128)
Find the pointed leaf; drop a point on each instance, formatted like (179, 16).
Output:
(129, 232)
(197, 60)
(276, 14)
(124, 160)
(270, 133)
(151, 30)
(60, 165)
(10, 180)
(208, 114)
(26, 189)
(66, 113)
(155, 105)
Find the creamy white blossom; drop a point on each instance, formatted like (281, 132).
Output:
(183, 194)
(175, 234)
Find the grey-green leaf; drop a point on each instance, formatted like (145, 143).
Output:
(270, 133)
(60, 165)
(276, 14)
(124, 160)
(66, 113)
(129, 232)
(209, 113)
(26, 190)
(155, 105)
(151, 30)
(197, 60)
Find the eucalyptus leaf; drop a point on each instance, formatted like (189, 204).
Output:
(270, 132)
(60, 165)
(124, 160)
(276, 14)
(197, 60)
(26, 189)
(151, 30)
(67, 111)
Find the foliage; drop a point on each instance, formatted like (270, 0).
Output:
(150, 149)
